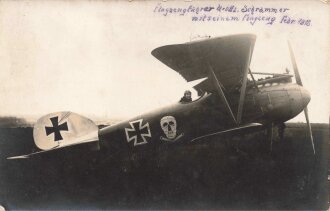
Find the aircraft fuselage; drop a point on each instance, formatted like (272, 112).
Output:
(182, 122)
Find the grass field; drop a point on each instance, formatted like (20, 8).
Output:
(232, 173)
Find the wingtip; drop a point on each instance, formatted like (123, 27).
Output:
(18, 157)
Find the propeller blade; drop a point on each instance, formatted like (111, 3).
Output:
(309, 129)
(299, 82)
(295, 67)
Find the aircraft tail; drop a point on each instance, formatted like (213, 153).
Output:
(62, 129)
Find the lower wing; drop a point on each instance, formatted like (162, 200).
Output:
(243, 128)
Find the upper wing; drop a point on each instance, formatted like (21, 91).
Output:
(227, 56)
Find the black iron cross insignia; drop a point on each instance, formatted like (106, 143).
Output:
(56, 129)
(138, 132)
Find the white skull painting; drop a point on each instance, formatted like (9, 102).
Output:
(168, 124)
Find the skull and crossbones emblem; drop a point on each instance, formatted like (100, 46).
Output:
(169, 127)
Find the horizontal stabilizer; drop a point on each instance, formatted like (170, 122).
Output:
(55, 148)
(243, 128)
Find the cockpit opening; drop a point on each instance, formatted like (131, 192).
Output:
(189, 97)
(186, 97)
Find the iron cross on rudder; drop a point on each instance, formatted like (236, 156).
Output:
(56, 129)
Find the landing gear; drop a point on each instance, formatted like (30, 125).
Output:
(280, 128)
(272, 137)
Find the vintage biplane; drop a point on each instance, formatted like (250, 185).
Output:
(230, 101)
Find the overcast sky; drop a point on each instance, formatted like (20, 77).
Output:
(93, 58)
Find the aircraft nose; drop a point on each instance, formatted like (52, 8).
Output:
(305, 96)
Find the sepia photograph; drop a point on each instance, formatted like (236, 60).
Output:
(164, 105)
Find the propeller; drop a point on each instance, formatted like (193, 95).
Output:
(299, 82)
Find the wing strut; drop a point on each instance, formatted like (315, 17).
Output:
(243, 89)
(221, 94)
(254, 81)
